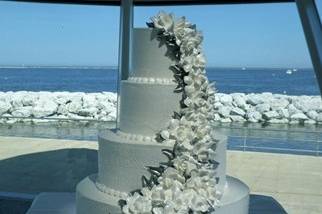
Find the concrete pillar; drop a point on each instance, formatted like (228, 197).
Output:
(125, 47)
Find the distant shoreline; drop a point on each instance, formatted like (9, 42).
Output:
(71, 67)
(115, 67)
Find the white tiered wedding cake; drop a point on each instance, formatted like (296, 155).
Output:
(164, 158)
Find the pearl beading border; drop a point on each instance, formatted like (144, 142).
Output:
(109, 191)
(151, 80)
(129, 136)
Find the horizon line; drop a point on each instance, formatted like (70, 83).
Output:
(115, 66)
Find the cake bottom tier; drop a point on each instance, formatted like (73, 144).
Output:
(90, 200)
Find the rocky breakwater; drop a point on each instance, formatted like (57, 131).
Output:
(268, 108)
(22, 106)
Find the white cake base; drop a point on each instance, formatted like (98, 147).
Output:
(90, 200)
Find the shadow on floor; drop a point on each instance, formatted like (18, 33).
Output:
(14, 206)
(50, 171)
(261, 204)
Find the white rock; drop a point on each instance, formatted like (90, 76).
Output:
(87, 112)
(310, 121)
(319, 117)
(237, 118)
(316, 103)
(278, 103)
(283, 113)
(270, 115)
(224, 111)
(299, 116)
(89, 101)
(29, 99)
(255, 99)
(292, 109)
(106, 106)
(225, 120)
(22, 112)
(294, 122)
(239, 100)
(16, 102)
(254, 116)
(44, 107)
(216, 117)
(4, 107)
(302, 105)
(62, 100)
(226, 99)
(264, 107)
(75, 105)
(312, 114)
(282, 121)
(110, 96)
(12, 121)
(237, 111)
(62, 109)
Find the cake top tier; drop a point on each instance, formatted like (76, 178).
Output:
(151, 57)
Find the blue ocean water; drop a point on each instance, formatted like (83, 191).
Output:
(228, 80)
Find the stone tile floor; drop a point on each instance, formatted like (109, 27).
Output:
(279, 183)
(294, 181)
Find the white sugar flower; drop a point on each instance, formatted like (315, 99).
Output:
(188, 102)
(190, 183)
(188, 80)
(164, 21)
(199, 204)
(165, 134)
(200, 61)
(190, 89)
(137, 204)
(174, 123)
(172, 174)
(190, 43)
(182, 28)
(185, 164)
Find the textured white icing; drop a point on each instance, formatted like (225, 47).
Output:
(147, 108)
(151, 80)
(122, 162)
(151, 57)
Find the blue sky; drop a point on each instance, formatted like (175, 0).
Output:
(258, 35)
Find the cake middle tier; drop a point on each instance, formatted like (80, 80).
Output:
(145, 107)
(122, 160)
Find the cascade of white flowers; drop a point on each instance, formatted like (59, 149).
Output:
(187, 183)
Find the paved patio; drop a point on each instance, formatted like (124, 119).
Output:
(279, 183)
